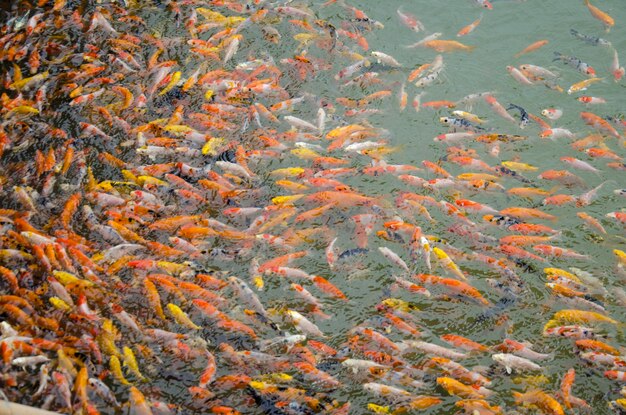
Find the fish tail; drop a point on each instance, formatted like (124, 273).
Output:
(557, 56)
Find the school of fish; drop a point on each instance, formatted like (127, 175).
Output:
(184, 218)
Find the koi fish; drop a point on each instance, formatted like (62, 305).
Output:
(512, 362)
(592, 40)
(466, 30)
(552, 113)
(410, 21)
(600, 15)
(532, 47)
(573, 61)
(447, 46)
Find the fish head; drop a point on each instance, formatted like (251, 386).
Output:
(499, 357)
(444, 382)
(294, 315)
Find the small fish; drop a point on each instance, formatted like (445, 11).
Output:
(271, 34)
(532, 47)
(602, 16)
(386, 59)
(463, 343)
(522, 350)
(537, 71)
(459, 123)
(552, 113)
(468, 116)
(517, 166)
(579, 164)
(524, 118)
(546, 403)
(428, 38)
(512, 362)
(585, 99)
(447, 46)
(181, 317)
(393, 257)
(617, 70)
(470, 27)
(484, 4)
(599, 124)
(592, 40)
(431, 349)
(583, 85)
(576, 63)
(498, 108)
(456, 388)
(410, 21)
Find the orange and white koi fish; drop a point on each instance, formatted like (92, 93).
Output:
(599, 124)
(470, 27)
(463, 343)
(455, 286)
(519, 76)
(498, 108)
(410, 21)
(586, 99)
(617, 70)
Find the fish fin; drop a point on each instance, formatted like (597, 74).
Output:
(508, 369)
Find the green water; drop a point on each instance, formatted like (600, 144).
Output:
(504, 31)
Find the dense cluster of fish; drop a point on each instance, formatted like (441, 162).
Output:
(176, 240)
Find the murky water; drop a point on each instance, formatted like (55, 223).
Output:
(518, 307)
